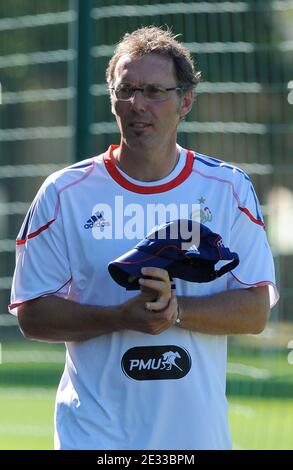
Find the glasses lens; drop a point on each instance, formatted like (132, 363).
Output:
(155, 93)
(123, 92)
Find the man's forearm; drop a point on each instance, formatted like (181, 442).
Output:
(55, 319)
(239, 311)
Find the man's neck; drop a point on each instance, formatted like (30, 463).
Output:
(146, 166)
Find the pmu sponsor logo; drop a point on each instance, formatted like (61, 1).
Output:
(156, 362)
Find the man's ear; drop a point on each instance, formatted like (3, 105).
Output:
(186, 103)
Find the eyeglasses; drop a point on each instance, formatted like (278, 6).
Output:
(150, 92)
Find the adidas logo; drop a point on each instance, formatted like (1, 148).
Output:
(96, 220)
(193, 249)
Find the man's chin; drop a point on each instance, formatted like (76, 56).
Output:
(139, 139)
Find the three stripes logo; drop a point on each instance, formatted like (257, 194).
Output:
(96, 220)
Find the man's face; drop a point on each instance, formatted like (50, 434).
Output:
(144, 123)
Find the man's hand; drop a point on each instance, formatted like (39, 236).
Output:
(159, 285)
(155, 309)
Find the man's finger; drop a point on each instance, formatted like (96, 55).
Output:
(159, 286)
(162, 303)
(157, 273)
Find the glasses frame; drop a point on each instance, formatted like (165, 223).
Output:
(142, 89)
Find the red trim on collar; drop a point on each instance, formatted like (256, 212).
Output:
(136, 188)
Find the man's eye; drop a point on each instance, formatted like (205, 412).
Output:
(123, 88)
(154, 89)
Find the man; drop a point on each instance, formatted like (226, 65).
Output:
(90, 213)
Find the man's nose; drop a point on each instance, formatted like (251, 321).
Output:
(138, 100)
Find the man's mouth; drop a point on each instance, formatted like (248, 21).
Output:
(139, 125)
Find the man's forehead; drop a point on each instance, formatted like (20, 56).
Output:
(147, 67)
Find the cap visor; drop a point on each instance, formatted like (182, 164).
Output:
(130, 264)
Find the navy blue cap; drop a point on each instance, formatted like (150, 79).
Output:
(187, 249)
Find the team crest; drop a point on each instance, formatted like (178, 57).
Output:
(203, 214)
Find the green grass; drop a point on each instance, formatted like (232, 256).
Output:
(261, 424)
(27, 421)
(259, 385)
(26, 418)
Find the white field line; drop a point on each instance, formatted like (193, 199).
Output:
(24, 393)
(249, 371)
(21, 357)
(243, 410)
(26, 430)
(58, 357)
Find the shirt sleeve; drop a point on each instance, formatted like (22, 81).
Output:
(249, 240)
(42, 265)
